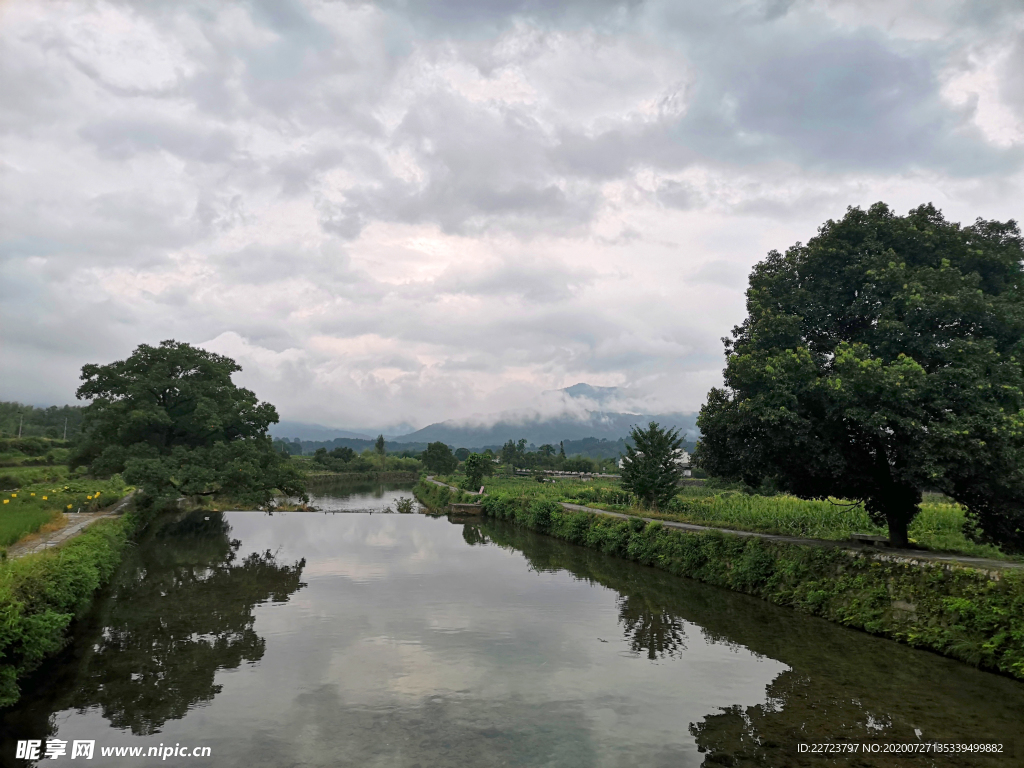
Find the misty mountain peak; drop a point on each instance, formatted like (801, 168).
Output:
(589, 392)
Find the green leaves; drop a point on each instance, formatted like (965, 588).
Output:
(173, 422)
(477, 467)
(439, 459)
(877, 360)
(651, 469)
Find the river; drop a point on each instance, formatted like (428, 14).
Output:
(358, 637)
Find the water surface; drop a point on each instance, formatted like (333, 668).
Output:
(325, 639)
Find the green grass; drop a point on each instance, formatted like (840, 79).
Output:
(41, 593)
(940, 527)
(31, 506)
(16, 477)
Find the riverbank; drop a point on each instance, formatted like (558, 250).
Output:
(38, 506)
(940, 527)
(970, 614)
(42, 593)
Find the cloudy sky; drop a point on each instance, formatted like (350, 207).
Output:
(411, 211)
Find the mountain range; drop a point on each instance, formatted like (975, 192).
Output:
(571, 418)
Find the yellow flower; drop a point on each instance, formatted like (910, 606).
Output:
(31, 494)
(69, 506)
(44, 498)
(14, 495)
(88, 498)
(7, 501)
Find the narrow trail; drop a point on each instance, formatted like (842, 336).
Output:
(886, 553)
(76, 523)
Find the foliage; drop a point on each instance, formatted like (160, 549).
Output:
(30, 507)
(439, 459)
(17, 477)
(462, 454)
(39, 422)
(438, 497)
(40, 595)
(650, 470)
(288, 447)
(477, 468)
(172, 421)
(881, 359)
(404, 505)
(380, 448)
(942, 526)
(959, 612)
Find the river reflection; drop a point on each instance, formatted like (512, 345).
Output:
(365, 640)
(181, 610)
(841, 685)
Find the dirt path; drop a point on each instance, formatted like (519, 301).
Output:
(75, 523)
(884, 553)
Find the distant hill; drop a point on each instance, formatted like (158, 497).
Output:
(539, 429)
(597, 433)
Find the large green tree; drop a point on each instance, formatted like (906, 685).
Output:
(172, 421)
(438, 458)
(880, 360)
(650, 468)
(477, 468)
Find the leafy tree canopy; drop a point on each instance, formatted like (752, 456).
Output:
(171, 420)
(477, 467)
(438, 458)
(881, 359)
(650, 469)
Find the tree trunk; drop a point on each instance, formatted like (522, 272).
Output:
(898, 521)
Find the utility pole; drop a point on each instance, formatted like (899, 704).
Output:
(21, 420)
(65, 427)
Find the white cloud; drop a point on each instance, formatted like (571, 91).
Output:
(412, 213)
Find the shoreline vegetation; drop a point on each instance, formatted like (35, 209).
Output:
(941, 526)
(42, 594)
(972, 615)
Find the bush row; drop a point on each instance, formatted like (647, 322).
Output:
(41, 594)
(959, 612)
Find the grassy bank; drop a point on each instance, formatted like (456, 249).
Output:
(41, 594)
(34, 505)
(437, 498)
(941, 526)
(959, 612)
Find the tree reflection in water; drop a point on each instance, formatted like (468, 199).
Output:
(842, 686)
(650, 629)
(181, 608)
(181, 614)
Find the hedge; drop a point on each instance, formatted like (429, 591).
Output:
(41, 594)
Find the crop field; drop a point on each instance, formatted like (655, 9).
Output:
(30, 507)
(940, 526)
